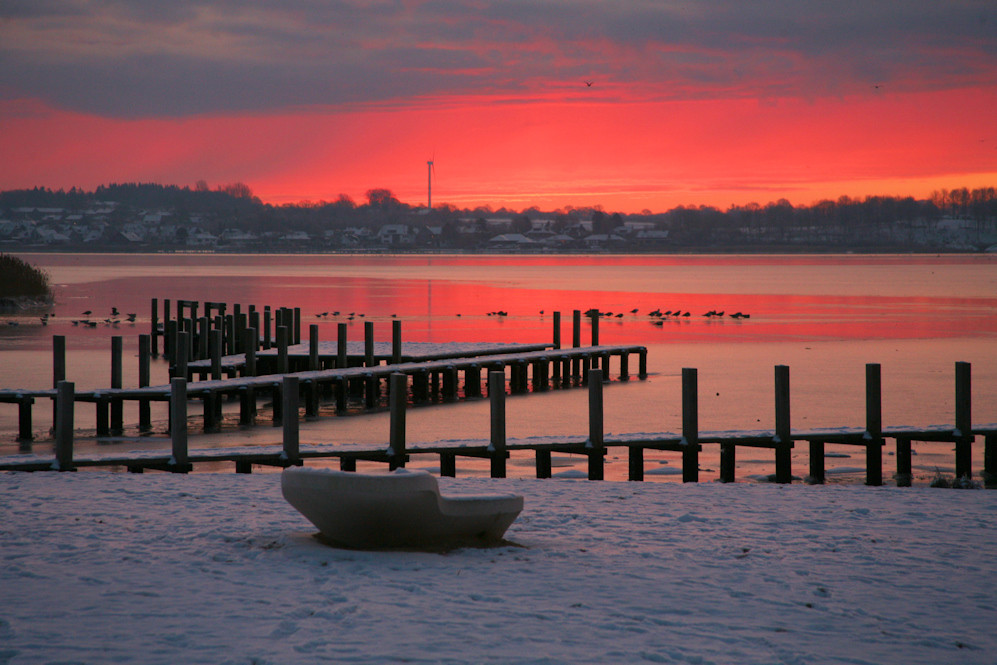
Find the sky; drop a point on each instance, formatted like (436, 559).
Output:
(630, 105)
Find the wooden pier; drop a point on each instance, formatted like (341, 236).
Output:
(497, 447)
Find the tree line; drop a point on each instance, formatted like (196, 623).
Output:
(871, 219)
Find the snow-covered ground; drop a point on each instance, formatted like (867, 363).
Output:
(217, 568)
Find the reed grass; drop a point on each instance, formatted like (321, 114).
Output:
(21, 279)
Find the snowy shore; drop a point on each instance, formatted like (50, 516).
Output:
(217, 568)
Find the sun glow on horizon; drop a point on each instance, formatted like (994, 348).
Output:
(625, 157)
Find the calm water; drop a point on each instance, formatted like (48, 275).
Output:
(824, 316)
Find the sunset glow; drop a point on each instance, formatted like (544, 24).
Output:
(684, 109)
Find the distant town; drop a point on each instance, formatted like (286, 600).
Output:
(166, 218)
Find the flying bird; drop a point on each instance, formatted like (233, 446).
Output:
(588, 84)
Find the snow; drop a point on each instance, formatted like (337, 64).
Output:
(218, 568)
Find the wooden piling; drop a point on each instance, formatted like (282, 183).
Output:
(397, 399)
(180, 353)
(167, 349)
(396, 342)
(24, 426)
(342, 358)
(783, 433)
(595, 445)
(178, 425)
(904, 470)
(728, 462)
(251, 340)
(282, 362)
(963, 421)
(497, 442)
(873, 425)
(313, 343)
(117, 411)
(58, 369)
(154, 327)
(368, 344)
(990, 460)
(65, 403)
(817, 466)
(266, 327)
(576, 342)
(201, 344)
(557, 330)
(290, 420)
(297, 324)
(144, 377)
(215, 346)
(635, 463)
(690, 425)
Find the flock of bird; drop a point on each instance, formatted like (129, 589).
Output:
(111, 320)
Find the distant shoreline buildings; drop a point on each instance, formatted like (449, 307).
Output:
(42, 220)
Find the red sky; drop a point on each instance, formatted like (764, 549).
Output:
(714, 103)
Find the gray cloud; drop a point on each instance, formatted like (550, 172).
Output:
(150, 58)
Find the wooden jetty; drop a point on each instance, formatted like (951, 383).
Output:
(540, 370)
(497, 448)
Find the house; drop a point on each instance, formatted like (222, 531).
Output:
(396, 234)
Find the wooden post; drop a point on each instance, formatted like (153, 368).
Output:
(690, 425)
(342, 358)
(642, 370)
(496, 446)
(783, 433)
(65, 403)
(635, 456)
(595, 445)
(58, 369)
(472, 381)
(368, 344)
(255, 324)
(215, 345)
(873, 425)
(313, 343)
(448, 464)
(282, 334)
(117, 416)
(397, 398)
(154, 327)
(178, 424)
(144, 377)
(817, 472)
(728, 462)
(557, 330)
(990, 460)
(963, 421)
(266, 327)
(180, 353)
(904, 472)
(595, 328)
(297, 325)
(229, 337)
(576, 342)
(543, 463)
(290, 420)
(252, 339)
(167, 349)
(203, 346)
(24, 427)
(170, 342)
(396, 342)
